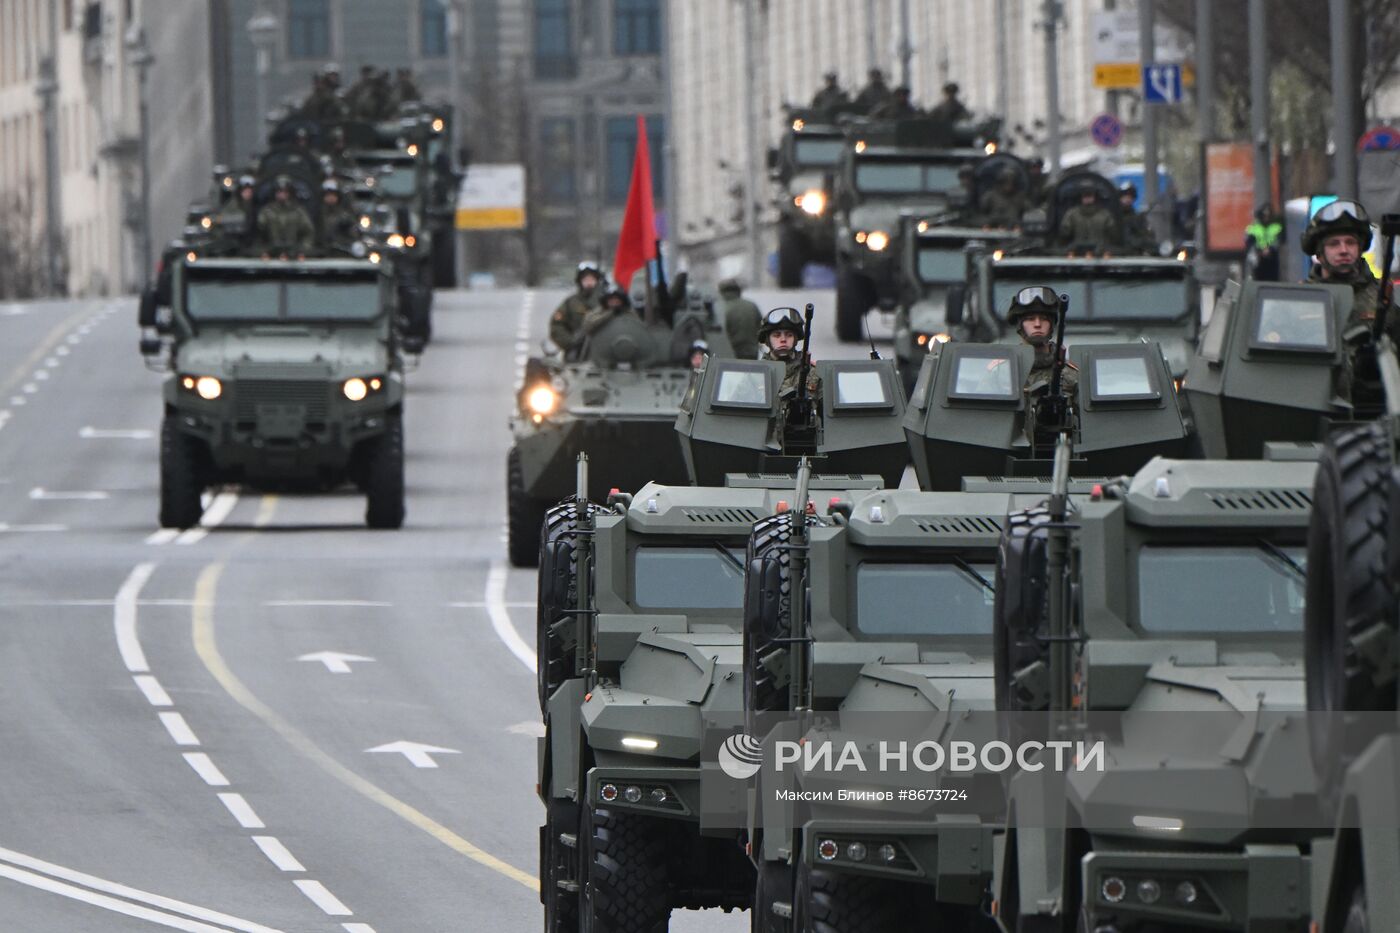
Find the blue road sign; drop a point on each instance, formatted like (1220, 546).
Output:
(1107, 130)
(1161, 84)
(1380, 137)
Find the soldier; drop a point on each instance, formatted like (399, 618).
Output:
(831, 96)
(615, 303)
(284, 226)
(875, 93)
(1004, 204)
(966, 198)
(950, 109)
(566, 324)
(1337, 237)
(325, 103)
(897, 107)
(1034, 312)
(240, 214)
(363, 98)
(339, 224)
(782, 328)
(1089, 224)
(1035, 190)
(405, 88)
(1137, 235)
(699, 353)
(742, 320)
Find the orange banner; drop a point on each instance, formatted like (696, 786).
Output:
(1229, 194)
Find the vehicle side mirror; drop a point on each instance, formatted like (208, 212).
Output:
(151, 346)
(146, 310)
(953, 304)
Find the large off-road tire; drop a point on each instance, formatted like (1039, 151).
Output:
(767, 615)
(559, 867)
(1357, 918)
(838, 902)
(1350, 602)
(627, 873)
(384, 486)
(773, 883)
(181, 477)
(524, 516)
(854, 296)
(444, 259)
(555, 597)
(792, 257)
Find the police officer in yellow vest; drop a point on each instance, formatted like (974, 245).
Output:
(1261, 242)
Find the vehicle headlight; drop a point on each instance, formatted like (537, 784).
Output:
(364, 221)
(877, 240)
(358, 388)
(541, 400)
(395, 240)
(206, 387)
(438, 125)
(812, 202)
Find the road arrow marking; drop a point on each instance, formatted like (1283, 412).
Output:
(337, 662)
(530, 727)
(418, 754)
(39, 492)
(120, 434)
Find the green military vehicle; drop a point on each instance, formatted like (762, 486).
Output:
(639, 639)
(875, 182)
(618, 403)
(282, 374)
(802, 167)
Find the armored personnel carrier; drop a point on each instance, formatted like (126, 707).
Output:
(802, 167)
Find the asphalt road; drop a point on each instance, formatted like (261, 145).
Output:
(281, 720)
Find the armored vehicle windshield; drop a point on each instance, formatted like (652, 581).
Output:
(219, 292)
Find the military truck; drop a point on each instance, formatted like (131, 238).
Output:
(282, 374)
(802, 167)
(618, 404)
(1161, 617)
(638, 633)
(874, 183)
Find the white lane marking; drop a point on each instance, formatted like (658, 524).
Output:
(13, 310)
(328, 902)
(225, 921)
(179, 730)
(241, 811)
(530, 727)
(29, 388)
(88, 495)
(74, 339)
(105, 902)
(115, 434)
(418, 754)
(41, 374)
(124, 619)
(164, 536)
(6, 527)
(482, 604)
(500, 618)
(17, 400)
(206, 769)
(155, 693)
(61, 351)
(4, 418)
(213, 517)
(51, 362)
(357, 928)
(327, 603)
(337, 662)
(277, 853)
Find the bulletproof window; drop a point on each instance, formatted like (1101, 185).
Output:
(914, 599)
(432, 28)
(308, 28)
(937, 265)
(636, 27)
(701, 577)
(1122, 377)
(861, 388)
(233, 300)
(1241, 589)
(1294, 321)
(743, 387)
(987, 374)
(243, 298)
(817, 151)
(554, 47)
(332, 300)
(622, 149)
(880, 176)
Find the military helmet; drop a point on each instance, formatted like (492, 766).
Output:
(283, 183)
(588, 268)
(247, 181)
(329, 185)
(702, 346)
(1033, 299)
(1342, 216)
(780, 319)
(1127, 188)
(617, 291)
(951, 88)
(730, 287)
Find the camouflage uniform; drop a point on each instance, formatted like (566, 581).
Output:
(1042, 372)
(284, 226)
(339, 225)
(873, 94)
(1137, 235)
(566, 324)
(742, 320)
(794, 374)
(1000, 208)
(1089, 223)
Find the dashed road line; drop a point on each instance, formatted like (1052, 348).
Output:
(164, 536)
(213, 517)
(241, 811)
(124, 619)
(357, 928)
(204, 766)
(180, 731)
(155, 694)
(318, 895)
(500, 618)
(51, 339)
(7, 527)
(277, 854)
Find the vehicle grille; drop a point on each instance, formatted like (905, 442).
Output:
(712, 514)
(960, 525)
(312, 397)
(1260, 500)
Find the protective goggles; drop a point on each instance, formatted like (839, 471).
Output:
(1331, 213)
(784, 317)
(1034, 295)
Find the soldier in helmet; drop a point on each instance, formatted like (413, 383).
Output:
(1089, 223)
(239, 216)
(566, 324)
(742, 320)
(950, 109)
(831, 96)
(875, 93)
(284, 226)
(1034, 312)
(897, 107)
(782, 329)
(699, 353)
(615, 303)
(1137, 235)
(405, 88)
(1004, 204)
(339, 224)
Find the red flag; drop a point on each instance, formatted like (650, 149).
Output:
(636, 242)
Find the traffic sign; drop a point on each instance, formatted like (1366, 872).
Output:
(1161, 84)
(1380, 137)
(1107, 130)
(1118, 76)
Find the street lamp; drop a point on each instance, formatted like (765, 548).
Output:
(262, 30)
(140, 57)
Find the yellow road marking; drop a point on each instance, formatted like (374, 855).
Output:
(208, 650)
(45, 347)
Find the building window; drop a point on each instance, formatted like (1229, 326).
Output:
(554, 49)
(636, 27)
(622, 148)
(308, 28)
(432, 28)
(558, 160)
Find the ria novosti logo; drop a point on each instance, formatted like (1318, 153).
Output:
(741, 756)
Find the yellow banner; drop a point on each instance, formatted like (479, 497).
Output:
(1118, 76)
(491, 218)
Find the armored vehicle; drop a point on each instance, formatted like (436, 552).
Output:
(638, 633)
(874, 183)
(802, 167)
(1270, 368)
(282, 374)
(1162, 618)
(618, 404)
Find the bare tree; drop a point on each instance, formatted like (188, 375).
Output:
(22, 259)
